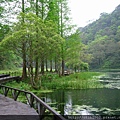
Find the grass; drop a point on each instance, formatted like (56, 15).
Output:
(83, 80)
(49, 81)
(21, 85)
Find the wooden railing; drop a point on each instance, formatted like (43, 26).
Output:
(4, 75)
(9, 78)
(39, 105)
(12, 73)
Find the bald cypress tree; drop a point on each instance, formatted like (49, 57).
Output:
(64, 26)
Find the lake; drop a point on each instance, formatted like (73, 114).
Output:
(103, 101)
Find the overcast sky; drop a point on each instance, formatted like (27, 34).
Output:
(84, 10)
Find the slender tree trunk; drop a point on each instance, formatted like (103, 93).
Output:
(23, 9)
(50, 65)
(46, 65)
(42, 56)
(62, 36)
(62, 66)
(56, 70)
(31, 63)
(75, 69)
(36, 69)
(42, 65)
(24, 71)
(31, 72)
(37, 63)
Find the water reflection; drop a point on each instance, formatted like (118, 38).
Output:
(104, 101)
(85, 102)
(111, 80)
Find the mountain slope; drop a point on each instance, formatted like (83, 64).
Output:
(107, 24)
(103, 40)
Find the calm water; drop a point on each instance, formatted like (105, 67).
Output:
(104, 101)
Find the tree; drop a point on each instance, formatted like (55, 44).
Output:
(27, 31)
(6, 57)
(64, 26)
(75, 52)
(24, 71)
(47, 10)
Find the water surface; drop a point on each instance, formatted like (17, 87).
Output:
(85, 102)
(103, 101)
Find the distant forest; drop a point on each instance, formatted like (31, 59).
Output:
(103, 40)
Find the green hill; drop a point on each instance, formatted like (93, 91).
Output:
(103, 39)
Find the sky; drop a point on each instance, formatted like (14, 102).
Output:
(85, 11)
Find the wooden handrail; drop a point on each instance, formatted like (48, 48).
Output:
(4, 75)
(35, 102)
(9, 78)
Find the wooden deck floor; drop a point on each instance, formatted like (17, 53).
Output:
(10, 107)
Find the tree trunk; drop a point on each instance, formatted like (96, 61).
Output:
(36, 69)
(62, 36)
(46, 65)
(37, 63)
(24, 71)
(42, 65)
(62, 67)
(50, 65)
(75, 69)
(56, 70)
(31, 73)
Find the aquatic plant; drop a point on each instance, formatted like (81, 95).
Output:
(82, 80)
(89, 110)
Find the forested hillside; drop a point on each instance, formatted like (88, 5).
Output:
(103, 40)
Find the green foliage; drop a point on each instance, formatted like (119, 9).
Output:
(7, 57)
(21, 85)
(8, 60)
(75, 56)
(36, 37)
(103, 40)
(44, 38)
(1, 11)
(4, 29)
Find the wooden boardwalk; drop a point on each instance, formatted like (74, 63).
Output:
(10, 107)
(13, 110)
